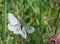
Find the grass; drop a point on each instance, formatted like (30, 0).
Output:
(44, 15)
(4, 23)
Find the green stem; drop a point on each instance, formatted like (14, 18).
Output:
(56, 21)
(4, 24)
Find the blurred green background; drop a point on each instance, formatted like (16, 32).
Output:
(43, 15)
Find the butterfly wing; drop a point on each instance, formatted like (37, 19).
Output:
(17, 29)
(11, 27)
(12, 22)
(12, 19)
(23, 34)
(14, 26)
(30, 29)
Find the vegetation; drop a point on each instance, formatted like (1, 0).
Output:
(43, 15)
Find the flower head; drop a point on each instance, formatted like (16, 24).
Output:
(54, 38)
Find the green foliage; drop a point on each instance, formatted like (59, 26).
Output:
(42, 14)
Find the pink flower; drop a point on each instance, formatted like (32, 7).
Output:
(55, 38)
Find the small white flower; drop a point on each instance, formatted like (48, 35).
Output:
(17, 28)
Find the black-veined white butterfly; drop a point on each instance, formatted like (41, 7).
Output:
(15, 26)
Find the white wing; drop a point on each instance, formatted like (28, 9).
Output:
(20, 31)
(15, 26)
(11, 27)
(17, 29)
(30, 29)
(12, 19)
(23, 34)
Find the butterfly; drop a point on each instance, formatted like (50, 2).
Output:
(17, 28)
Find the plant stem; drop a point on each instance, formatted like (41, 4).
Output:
(4, 24)
(57, 21)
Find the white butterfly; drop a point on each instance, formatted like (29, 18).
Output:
(17, 28)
